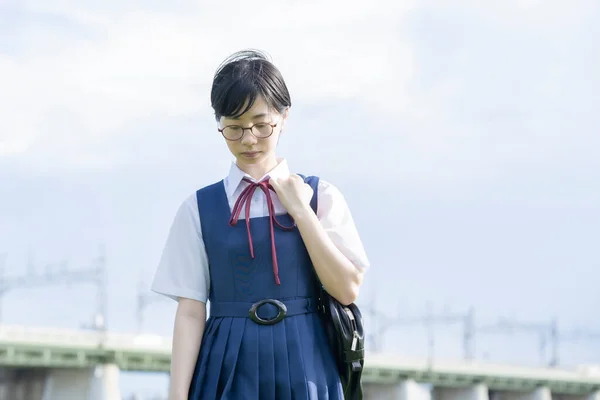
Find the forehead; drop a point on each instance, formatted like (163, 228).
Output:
(259, 110)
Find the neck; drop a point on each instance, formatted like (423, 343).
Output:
(258, 170)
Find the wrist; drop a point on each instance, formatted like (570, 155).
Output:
(302, 212)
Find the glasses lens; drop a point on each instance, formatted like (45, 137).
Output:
(232, 132)
(262, 130)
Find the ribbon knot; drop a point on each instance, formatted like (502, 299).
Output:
(245, 198)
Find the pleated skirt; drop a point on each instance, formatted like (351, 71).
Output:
(290, 360)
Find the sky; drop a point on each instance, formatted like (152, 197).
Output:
(464, 135)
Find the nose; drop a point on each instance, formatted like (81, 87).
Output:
(247, 137)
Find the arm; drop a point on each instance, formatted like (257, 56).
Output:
(190, 320)
(331, 238)
(183, 275)
(338, 274)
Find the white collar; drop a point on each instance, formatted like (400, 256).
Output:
(236, 175)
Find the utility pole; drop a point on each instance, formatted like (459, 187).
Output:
(467, 320)
(469, 335)
(383, 323)
(577, 336)
(554, 338)
(370, 309)
(54, 275)
(2, 265)
(144, 299)
(546, 331)
(102, 294)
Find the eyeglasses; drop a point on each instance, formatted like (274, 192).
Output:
(261, 130)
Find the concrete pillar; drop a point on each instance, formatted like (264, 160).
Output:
(21, 384)
(406, 390)
(477, 392)
(106, 385)
(411, 390)
(594, 396)
(542, 393)
(591, 396)
(99, 383)
(379, 391)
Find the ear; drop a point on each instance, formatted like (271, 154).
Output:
(285, 114)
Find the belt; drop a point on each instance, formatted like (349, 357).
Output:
(271, 311)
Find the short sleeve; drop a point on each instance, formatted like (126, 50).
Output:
(336, 219)
(183, 268)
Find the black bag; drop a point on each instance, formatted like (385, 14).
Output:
(344, 329)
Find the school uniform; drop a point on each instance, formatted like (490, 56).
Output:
(212, 254)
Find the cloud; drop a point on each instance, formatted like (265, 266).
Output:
(71, 91)
(13, 147)
(460, 90)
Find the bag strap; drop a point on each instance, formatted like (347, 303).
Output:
(313, 182)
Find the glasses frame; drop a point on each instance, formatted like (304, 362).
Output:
(272, 125)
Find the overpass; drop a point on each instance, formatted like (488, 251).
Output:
(49, 364)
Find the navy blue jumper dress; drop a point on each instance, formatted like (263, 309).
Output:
(240, 358)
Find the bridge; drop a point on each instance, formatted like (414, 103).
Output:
(49, 364)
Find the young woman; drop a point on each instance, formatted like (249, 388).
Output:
(252, 244)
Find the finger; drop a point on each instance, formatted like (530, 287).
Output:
(308, 188)
(296, 177)
(274, 182)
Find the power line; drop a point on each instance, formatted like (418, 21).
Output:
(60, 274)
(144, 299)
(577, 335)
(382, 323)
(547, 331)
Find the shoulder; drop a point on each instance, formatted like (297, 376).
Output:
(209, 188)
(330, 200)
(326, 189)
(188, 208)
(187, 214)
(330, 197)
(190, 203)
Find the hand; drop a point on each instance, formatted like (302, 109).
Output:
(293, 193)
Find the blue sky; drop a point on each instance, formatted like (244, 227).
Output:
(464, 135)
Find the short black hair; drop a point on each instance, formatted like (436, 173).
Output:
(241, 78)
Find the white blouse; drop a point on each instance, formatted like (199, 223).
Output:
(183, 268)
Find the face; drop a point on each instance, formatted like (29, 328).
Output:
(250, 150)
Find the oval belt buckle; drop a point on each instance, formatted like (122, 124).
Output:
(280, 315)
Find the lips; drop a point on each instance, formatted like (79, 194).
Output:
(251, 153)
